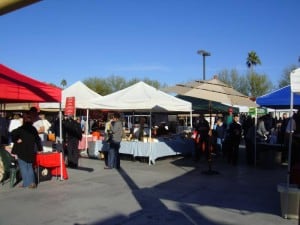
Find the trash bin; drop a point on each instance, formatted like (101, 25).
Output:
(289, 201)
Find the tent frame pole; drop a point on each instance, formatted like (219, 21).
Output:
(61, 142)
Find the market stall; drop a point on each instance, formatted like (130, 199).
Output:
(18, 88)
(279, 99)
(212, 90)
(142, 97)
(175, 145)
(81, 94)
(52, 161)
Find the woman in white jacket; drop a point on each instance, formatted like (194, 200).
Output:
(42, 126)
(14, 123)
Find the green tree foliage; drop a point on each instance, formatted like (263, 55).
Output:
(252, 84)
(285, 77)
(248, 84)
(259, 84)
(105, 86)
(225, 76)
(252, 60)
(116, 83)
(235, 80)
(98, 85)
(153, 83)
(63, 83)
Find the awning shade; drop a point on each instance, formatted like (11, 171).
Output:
(279, 99)
(212, 90)
(142, 97)
(82, 94)
(16, 87)
(202, 105)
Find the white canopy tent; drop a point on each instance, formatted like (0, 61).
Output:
(79, 90)
(82, 95)
(142, 97)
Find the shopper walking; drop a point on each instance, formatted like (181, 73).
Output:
(25, 138)
(116, 138)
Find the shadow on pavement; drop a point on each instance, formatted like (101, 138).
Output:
(238, 190)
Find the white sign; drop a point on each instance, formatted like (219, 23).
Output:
(295, 80)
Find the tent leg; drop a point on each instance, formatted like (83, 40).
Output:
(210, 171)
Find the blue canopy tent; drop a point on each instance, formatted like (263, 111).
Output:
(279, 99)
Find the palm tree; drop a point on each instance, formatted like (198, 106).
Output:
(63, 83)
(252, 60)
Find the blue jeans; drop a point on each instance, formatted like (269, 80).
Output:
(113, 155)
(26, 172)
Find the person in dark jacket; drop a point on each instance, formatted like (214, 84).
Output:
(26, 141)
(283, 126)
(220, 132)
(73, 136)
(250, 136)
(234, 135)
(202, 139)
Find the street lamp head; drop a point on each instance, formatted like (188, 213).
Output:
(203, 53)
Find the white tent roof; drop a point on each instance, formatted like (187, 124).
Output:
(142, 96)
(82, 95)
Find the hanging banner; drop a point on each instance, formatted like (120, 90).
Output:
(70, 106)
(257, 111)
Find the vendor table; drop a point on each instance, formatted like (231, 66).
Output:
(83, 143)
(53, 161)
(152, 150)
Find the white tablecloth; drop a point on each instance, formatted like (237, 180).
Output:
(152, 150)
(83, 143)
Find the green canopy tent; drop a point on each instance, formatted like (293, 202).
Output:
(206, 106)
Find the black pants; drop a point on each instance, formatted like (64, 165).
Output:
(114, 155)
(73, 152)
(233, 153)
(250, 157)
(201, 148)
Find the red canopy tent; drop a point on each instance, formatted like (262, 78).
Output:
(16, 87)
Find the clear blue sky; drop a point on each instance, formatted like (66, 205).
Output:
(158, 39)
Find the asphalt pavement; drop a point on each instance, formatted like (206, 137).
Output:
(176, 190)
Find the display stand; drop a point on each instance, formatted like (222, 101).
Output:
(209, 149)
(54, 162)
(59, 148)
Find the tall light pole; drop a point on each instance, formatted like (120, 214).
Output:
(204, 54)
